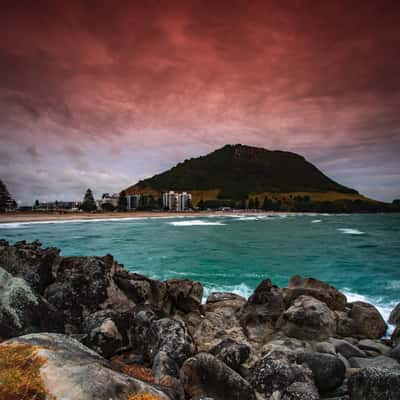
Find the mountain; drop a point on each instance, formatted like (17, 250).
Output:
(235, 171)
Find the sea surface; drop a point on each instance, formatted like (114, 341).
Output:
(359, 254)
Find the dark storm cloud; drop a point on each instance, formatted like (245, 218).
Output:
(139, 85)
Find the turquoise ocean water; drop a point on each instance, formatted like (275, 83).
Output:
(359, 254)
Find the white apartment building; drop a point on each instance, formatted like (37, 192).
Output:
(177, 201)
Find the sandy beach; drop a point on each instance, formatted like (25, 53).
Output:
(54, 216)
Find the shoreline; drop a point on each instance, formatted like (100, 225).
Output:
(16, 217)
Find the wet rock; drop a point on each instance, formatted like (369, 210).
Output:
(204, 376)
(328, 370)
(30, 262)
(368, 322)
(371, 345)
(72, 371)
(396, 335)
(171, 337)
(345, 326)
(375, 384)
(266, 304)
(308, 318)
(233, 354)
(186, 295)
(299, 286)
(24, 311)
(347, 349)
(394, 318)
(278, 375)
(374, 362)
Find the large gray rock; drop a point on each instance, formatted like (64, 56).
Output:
(308, 318)
(299, 286)
(328, 370)
(395, 352)
(30, 262)
(218, 300)
(367, 320)
(204, 376)
(72, 371)
(375, 384)
(24, 311)
(374, 362)
(279, 376)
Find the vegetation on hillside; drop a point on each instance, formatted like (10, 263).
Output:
(239, 170)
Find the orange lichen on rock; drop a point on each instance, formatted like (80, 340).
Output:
(139, 372)
(20, 373)
(144, 396)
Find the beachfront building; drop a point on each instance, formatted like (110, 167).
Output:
(133, 201)
(177, 201)
(106, 198)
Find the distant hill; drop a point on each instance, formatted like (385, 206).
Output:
(235, 171)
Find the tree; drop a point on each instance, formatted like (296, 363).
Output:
(107, 207)
(7, 203)
(37, 204)
(88, 203)
(251, 204)
(256, 203)
(201, 205)
(267, 205)
(122, 202)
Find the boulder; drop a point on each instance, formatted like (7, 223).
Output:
(217, 325)
(325, 347)
(232, 353)
(204, 376)
(266, 304)
(374, 362)
(328, 370)
(171, 337)
(371, 345)
(347, 349)
(186, 295)
(368, 322)
(345, 326)
(84, 285)
(69, 370)
(30, 262)
(143, 291)
(299, 286)
(394, 318)
(24, 311)
(375, 384)
(278, 375)
(396, 335)
(218, 300)
(308, 318)
(107, 331)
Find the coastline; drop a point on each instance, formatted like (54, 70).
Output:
(16, 217)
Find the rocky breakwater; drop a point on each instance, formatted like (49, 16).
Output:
(85, 328)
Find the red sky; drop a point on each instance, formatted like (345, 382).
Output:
(101, 93)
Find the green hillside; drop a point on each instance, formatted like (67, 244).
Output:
(238, 170)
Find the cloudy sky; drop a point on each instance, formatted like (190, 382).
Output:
(102, 93)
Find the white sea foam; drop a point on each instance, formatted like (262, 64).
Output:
(195, 222)
(315, 221)
(351, 231)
